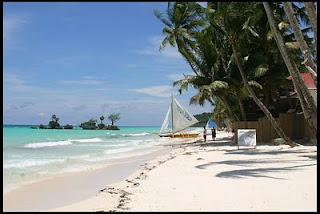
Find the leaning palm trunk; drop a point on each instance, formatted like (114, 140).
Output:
(308, 60)
(303, 95)
(311, 10)
(243, 113)
(229, 109)
(274, 123)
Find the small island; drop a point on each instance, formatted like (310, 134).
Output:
(89, 125)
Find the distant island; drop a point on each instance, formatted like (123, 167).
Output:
(203, 119)
(89, 125)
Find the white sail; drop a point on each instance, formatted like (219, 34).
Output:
(207, 125)
(165, 122)
(181, 117)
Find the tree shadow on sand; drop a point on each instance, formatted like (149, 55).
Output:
(249, 151)
(259, 172)
(253, 172)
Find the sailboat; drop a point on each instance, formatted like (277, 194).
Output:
(180, 120)
(210, 124)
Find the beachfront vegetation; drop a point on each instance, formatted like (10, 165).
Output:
(241, 54)
(203, 119)
(114, 117)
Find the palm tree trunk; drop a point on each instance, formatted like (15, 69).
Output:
(288, 97)
(229, 109)
(311, 10)
(292, 68)
(243, 113)
(300, 39)
(274, 123)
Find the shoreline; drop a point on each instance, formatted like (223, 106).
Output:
(112, 172)
(192, 175)
(215, 176)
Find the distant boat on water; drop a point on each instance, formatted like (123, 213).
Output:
(181, 119)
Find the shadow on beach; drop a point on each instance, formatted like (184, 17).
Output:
(254, 172)
(259, 172)
(253, 166)
(249, 151)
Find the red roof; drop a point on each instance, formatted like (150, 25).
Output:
(307, 79)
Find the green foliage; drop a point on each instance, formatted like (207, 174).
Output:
(203, 37)
(204, 117)
(278, 141)
(114, 117)
(101, 118)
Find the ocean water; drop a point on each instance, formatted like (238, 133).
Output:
(33, 154)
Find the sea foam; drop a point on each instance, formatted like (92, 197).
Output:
(132, 135)
(62, 143)
(91, 140)
(46, 144)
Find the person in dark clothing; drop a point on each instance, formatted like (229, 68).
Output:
(213, 130)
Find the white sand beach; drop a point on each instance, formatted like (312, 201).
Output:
(215, 176)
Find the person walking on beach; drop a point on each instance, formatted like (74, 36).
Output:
(204, 134)
(213, 131)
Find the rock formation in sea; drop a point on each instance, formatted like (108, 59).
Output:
(54, 125)
(91, 124)
(112, 127)
(42, 126)
(68, 126)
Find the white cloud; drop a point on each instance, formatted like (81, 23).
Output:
(152, 48)
(157, 91)
(15, 82)
(12, 26)
(85, 81)
(179, 76)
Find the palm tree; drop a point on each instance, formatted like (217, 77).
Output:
(299, 37)
(207, 61)
(182, 20)
(304, 96)
(101, 118)
(53, 117)
(232, 18)
(313, 18)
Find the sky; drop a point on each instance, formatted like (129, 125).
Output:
(82, 60)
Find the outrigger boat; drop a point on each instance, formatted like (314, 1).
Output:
(180, 120)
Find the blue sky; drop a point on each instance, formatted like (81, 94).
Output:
(81, 60)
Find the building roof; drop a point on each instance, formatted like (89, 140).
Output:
(307, 79)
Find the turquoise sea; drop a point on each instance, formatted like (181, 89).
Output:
(33, 154)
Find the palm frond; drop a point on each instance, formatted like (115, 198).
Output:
(261, 70)
(255, 84)
(158, 14)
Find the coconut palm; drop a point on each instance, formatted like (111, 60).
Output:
(313, 18)
(306, 101)
(300, 39)
(183, 19)
(101, 118)
(232, 18)
(53, 117)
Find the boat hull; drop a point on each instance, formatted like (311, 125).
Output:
(181, 135)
